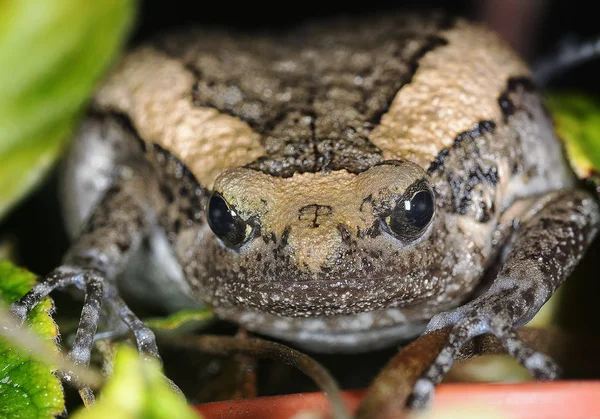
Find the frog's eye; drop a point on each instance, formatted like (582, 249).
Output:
(411, 216)
(224, 221)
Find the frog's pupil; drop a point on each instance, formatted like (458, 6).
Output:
(410, 217)
(419, 210)
(222, 222)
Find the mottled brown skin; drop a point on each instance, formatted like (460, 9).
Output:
(313, 137)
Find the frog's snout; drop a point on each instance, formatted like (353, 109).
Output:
(316, 247)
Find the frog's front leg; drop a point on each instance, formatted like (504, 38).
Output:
(116, 227)
(546, 247)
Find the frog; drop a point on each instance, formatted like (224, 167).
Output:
(343, 185)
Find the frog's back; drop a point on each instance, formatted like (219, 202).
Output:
(343, 95)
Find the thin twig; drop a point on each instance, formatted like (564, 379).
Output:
(387, 395)
(568, 56)
(260, 348)
(389, 392)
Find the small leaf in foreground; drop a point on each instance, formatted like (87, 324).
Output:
(577, 118)
(52, 53)
(184, 320)
(137, 389)
(28, 388)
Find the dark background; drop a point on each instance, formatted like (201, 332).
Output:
(35, 225)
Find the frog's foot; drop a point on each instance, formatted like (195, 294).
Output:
(493, 314)
(545, 248)
(97, 290)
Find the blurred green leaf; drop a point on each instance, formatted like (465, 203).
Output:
(577, 118)
(137, 389)
(28, 388)
(52, 53)
(183, 320)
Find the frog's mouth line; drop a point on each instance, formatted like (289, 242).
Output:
(349, 333)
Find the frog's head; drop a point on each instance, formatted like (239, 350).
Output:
(325, 243)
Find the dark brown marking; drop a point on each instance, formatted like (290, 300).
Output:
(120, 118)
(313, 212)
(476, 176)
(529, 296)
(481, 128)
(185, 197)
(314, 94)
(468, 178)
(514, 85)
(367, 200)
(344, 233)
(285, 236)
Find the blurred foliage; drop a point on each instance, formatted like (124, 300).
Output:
(577, 118)
(52, 54)
(137, 389)
(182, 321)
(28, 387)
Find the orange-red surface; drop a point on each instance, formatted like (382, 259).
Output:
(560, 400)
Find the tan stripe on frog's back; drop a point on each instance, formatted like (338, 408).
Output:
(455, 87)
(154, 91)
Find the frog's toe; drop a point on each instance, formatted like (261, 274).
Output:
(98, 291)
(467, 322)
(59, 278)
(88, 280)
(144, 336)
(422, 394)
(540, 366)
(463, 330)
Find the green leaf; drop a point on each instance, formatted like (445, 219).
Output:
(28, 388)
(137, 389)
(52, 54)
(183, 320)
(577, 118)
